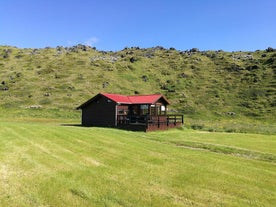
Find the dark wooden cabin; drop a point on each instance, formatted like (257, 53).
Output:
(137, 112)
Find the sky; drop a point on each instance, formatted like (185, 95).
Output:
(112, 25)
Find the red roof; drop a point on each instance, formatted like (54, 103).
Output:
(117, 98)
(147, 99)
(136, 99)
(121, 99)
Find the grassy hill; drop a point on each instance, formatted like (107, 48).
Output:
(200, 84)
(49, 164)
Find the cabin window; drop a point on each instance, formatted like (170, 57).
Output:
(144, 109)
(153, 110)
(157, 110)
(162, 110)
(122, 110)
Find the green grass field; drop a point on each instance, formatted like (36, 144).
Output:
(44, 162)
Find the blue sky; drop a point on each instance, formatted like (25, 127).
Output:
(230, 25)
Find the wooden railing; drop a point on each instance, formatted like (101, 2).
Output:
(151, 120)
(165, 119)
(175, 118)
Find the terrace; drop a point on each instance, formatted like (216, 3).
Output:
(147, 117)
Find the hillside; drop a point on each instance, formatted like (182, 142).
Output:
(198, 83)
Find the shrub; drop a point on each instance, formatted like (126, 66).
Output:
(197, 126)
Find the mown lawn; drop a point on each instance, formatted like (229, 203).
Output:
(49, 164)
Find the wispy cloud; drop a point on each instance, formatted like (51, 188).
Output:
(91, 41)
(70, 43)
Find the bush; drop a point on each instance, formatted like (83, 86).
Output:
(197, 126)
(270, 49)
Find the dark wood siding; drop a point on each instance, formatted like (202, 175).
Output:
(100, 112)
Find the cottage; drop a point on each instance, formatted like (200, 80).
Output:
(137, 112)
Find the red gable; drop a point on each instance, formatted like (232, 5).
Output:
(137, 99)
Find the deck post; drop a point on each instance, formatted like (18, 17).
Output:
(116, 115)
(158, 122)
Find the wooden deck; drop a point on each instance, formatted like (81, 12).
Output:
(149, 123)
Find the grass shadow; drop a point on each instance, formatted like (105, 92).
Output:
(72, 125)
